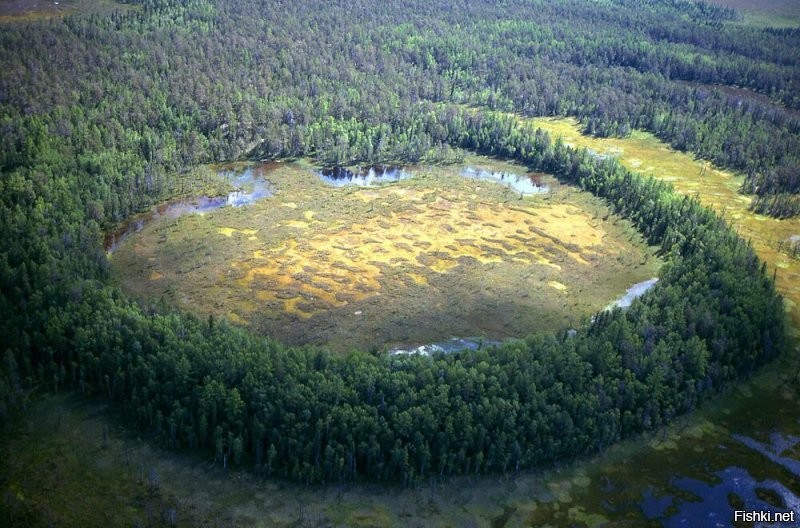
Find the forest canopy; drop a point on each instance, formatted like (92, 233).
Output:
(102, 116)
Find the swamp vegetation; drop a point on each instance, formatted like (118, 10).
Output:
(435, 256)
(104, 117)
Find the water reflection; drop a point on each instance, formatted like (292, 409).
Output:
(363, 177)
(634, 292)
(455, 344)
(778, 445)
(528, 184)
(714, 504)
(711, 497)
(250, 186)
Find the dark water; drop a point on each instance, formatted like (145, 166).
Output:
(250, 186)
(742, 454)
(528, 184)
(748, 460)
(363, 176)
(713, 498)
(711, 504)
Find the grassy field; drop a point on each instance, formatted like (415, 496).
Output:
(420, 260)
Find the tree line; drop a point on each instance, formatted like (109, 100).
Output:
(144, 94)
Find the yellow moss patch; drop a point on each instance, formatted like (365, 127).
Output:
(418, 279)
(235, 319)
(229, 231)
(336, 265)
(297, 224)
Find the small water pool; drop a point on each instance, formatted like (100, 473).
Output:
(250, 186)
(528, 184)
(363, 176)
(634, 292)
(455, 344)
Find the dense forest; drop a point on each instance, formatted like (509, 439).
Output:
(103, 116)
(160, 88)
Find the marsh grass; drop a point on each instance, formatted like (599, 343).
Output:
(73, 462)
(415, 261)
(644, 153)
(765, 13)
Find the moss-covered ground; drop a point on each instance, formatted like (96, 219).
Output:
(765, 13)
(419, 260)
(22, 11)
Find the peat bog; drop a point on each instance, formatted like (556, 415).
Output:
(401, 261)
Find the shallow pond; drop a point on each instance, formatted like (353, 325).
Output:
(634, 292)
(249, 186)
(454, 344)
(460, 344)
(738, 450)
(411, 263)
(524, 184)
(742, 454)
(734, 484)
(363, 176)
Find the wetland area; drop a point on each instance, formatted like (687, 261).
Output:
(740, 449)
(413, 260)
(302, 262)
(136, 388)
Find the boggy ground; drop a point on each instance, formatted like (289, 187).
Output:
(71, 462)
(761, 13)
(415, 261)
(642, 152)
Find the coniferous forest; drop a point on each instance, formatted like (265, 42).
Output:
(104, 116)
